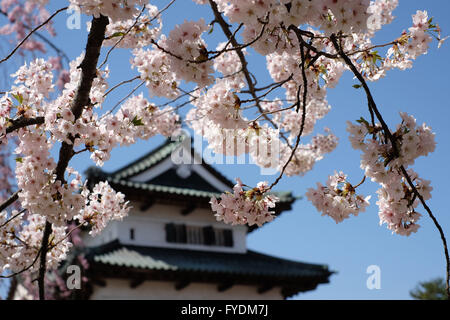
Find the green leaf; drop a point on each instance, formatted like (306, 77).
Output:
(211, 30)
(116, 34)
(363, 121)
(19, 160)
(18, 97)
(357, 86)
(137, 122)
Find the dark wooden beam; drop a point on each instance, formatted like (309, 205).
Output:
(224, 286)
(182, 284)
(188, 209)
(148, 204)
(136, 282)
(265, 288)
(12, 289)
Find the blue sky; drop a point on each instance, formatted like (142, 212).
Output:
(303, 234)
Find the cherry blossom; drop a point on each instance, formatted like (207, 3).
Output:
(338, 198)
(250, 206)
(307, 46)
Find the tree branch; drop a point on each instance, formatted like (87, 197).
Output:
(30, 34)
(43, 259)
(13, 198)
(390, 137)
(58, 51)
(23, 122)
(81, 100)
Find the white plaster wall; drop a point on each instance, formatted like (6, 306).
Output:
(149, 229)
(116, 289)
(108, 234)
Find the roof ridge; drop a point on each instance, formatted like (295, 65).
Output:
(167, 143)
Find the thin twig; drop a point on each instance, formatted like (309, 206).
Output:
(29, 35)
(13, 198)
(122, 37)
(25, 269)
(120, 84)
(58, 51)
(12, 218)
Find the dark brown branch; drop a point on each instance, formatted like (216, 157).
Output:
(226, 30)
(300, 33)
(297, 142)
(43, 259)
(305, 95)
(12, 289)
(165, 51)
(392, 140)
(13, 198)
(23, 122)
(81, 100)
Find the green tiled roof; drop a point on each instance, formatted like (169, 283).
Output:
(283, 196)
(159, 154)
(147, 161)
(177, 260)
(165, 189)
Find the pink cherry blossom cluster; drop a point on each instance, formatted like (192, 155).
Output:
(262, 143)
(267, 20)
(188, 52)
(137, 32)
(20, 243)
(21, 17)
(222, 111)
(221, 105)
(136, 119)
(154, 68)
(306, 155)
(181, 56)
(40, 191)
(229, 64)
(397, 203)
(411, 44)
(338, 198)
(264, 146)
(250, 206)
(41, 194)
(402, 51)
(382, 162)
(103, 204)
(228, 133)
(6, 173)
(114, 9)
(412, 141)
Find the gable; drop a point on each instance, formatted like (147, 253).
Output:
(158, 168)
(193, 180)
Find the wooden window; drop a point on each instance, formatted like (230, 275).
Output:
(180, 233)
(208, 236)
(228, 238)
(170, 232)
